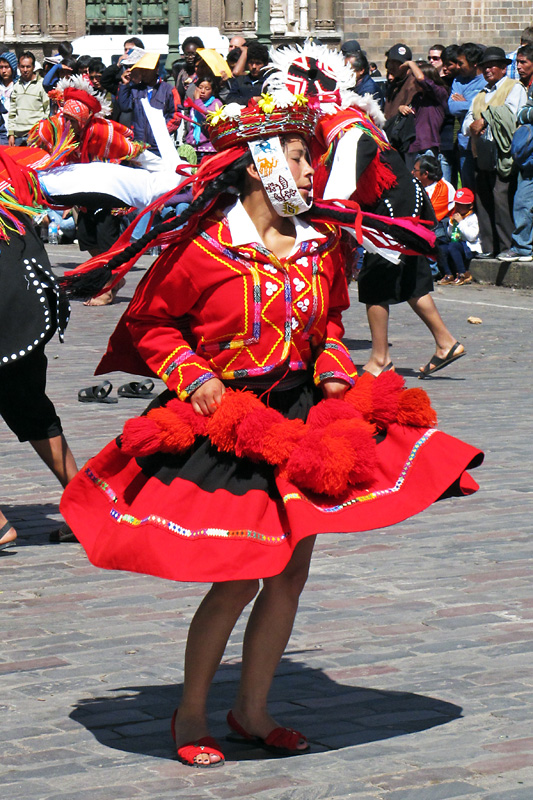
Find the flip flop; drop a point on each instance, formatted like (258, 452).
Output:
(437, 363)
(97, 394)
(136, 389)
(3, 530)
(387, 368)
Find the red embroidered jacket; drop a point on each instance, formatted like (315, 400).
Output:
(209, 308)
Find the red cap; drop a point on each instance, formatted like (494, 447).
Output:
(464, 196)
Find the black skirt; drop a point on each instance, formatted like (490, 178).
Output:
(383, 283)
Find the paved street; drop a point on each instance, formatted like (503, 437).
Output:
(410, 665)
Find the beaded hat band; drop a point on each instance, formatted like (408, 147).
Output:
(263, 117)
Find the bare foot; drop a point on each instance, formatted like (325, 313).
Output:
(188, 730)
(106, 298)
(9, 534)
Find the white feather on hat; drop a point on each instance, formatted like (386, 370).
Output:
(321, 66)
(82, 85)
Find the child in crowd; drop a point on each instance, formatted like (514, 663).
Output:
(204, 102)
(463, 240)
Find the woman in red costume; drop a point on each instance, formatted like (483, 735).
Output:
(227, 486)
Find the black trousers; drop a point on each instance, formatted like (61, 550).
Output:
(24, 405)
(494, 206)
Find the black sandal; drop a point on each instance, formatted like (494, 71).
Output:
(437, 363)
(6, 527)
(136, 388)
(62, 535)
(97, 394)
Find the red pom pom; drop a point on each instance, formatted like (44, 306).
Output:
(222, 427)
(360, 397)
(414, 409)
(305, 465)
(327, 411)
(252, 431)
(176, 431)
(359, 434)
(385, 396)
(326, 461)
(188, 414)
(281, 439)
(141, 436)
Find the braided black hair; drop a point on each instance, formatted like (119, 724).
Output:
(90, 283)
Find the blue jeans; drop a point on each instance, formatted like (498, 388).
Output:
(458, 256)
(522, 239)
(447, 160)
(467, 169)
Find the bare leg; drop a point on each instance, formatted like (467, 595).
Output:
(57, 456)
(208, 635)
(10, 535)
(426, 309)
(267, 633)
(378, 321)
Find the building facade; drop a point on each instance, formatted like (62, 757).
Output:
(377, 24)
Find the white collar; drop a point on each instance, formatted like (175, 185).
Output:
(496, 86)
(243, 230)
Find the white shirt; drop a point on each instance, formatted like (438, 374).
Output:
(243, 230)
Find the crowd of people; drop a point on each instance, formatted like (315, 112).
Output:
(461, 105)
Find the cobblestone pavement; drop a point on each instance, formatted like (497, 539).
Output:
(410, 664)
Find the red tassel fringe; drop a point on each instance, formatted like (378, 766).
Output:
(332, 451)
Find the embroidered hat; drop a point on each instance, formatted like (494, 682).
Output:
(79, 99)
(269, 115)
(464, 196)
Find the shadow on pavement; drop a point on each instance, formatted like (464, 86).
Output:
(33, 523)
(332, 715)
(357, 344)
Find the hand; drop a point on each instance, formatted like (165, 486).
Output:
(405, 110)
(458, 97)
(196, 95)
(333, 388)
(207, 398)
(477, 126)
(224, 76)
(456, 217)
(11, 140)
(126, 76)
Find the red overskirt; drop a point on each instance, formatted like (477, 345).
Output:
(128, 520)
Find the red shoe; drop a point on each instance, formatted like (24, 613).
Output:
(280, 741)
(206, 745)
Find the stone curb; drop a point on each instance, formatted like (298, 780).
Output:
(500, 273)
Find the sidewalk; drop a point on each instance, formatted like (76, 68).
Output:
(410, 665)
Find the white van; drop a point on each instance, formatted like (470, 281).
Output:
(105, 47)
